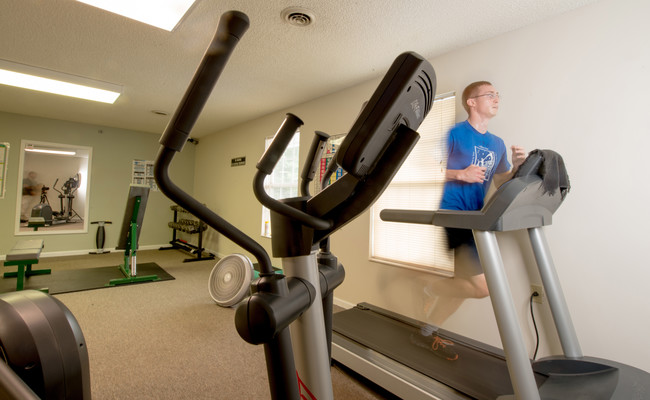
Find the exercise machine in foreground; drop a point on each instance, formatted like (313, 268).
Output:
(43, 353)
(527, 202)
(289, 313)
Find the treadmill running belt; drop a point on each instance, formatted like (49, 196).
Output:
(477, 372)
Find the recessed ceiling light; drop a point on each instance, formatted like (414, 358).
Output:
(163, 14)
(42, 80)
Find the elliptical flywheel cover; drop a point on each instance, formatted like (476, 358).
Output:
(230, 280)
(42, 342)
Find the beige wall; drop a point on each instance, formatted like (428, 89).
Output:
(113, 152)
(577, 84)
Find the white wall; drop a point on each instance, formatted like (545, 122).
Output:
(577, 84)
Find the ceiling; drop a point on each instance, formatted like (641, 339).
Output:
(276, 65)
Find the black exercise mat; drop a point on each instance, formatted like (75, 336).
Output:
(75, 280)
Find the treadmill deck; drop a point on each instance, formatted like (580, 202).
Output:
(479, 372)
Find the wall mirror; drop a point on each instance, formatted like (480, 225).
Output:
(53, 184)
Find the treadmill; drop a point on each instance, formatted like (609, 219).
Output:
(387, 348)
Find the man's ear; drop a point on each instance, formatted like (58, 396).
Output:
(471, 103)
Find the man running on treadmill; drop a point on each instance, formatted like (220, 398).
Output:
(476, 157)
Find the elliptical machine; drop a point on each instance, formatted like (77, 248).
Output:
(298, 360)
(66, 197)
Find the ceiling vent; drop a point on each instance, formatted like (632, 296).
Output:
(298, 16)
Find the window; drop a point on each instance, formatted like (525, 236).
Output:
(283, 182)
(418, 185)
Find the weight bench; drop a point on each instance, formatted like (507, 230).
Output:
(36, 222)
(24, 254)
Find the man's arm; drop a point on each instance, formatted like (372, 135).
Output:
(500, 179)
(518, 157)
(471, 174)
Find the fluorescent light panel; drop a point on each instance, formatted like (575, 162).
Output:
(33, 78)
(50, 151)
(164, 14)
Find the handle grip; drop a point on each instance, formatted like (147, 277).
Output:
(279, 144)
(232, 25)
(312, 163)
(265, 167)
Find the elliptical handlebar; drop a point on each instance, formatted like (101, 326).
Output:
(232, 25)
(265, 167)
(313, 161)
(277, 340)
(54, 186)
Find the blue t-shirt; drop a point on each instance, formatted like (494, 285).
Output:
(467, 146)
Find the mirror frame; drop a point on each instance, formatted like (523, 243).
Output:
(84, 186)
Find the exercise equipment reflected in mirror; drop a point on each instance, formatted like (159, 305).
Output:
(52, 188)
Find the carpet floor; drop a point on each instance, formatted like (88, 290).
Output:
(168, 339)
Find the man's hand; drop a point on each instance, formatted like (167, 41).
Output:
(473, 174)
(518, 156)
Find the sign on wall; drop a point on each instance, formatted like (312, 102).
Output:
(237, 161)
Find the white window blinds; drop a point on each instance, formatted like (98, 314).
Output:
(283, 182)
(418, 186)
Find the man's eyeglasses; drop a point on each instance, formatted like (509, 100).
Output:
(491, 96)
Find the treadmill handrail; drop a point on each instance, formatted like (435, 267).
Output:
(519, 203)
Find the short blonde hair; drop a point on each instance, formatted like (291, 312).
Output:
(470, 91)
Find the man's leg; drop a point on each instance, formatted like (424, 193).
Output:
(450, 293)
(468, 282)
(446, 295)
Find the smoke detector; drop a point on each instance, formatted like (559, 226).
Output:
(298, 16)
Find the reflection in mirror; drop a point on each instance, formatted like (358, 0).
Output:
(53, 188)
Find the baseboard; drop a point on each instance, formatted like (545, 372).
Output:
(66, 253)
(342, 303)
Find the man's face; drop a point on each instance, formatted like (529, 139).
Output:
(486, 101)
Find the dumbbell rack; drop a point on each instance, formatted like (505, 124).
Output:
(189, 226)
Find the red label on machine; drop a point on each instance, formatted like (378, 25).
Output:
(305, 393)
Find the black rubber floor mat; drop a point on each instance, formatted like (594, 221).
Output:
(76, 280)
